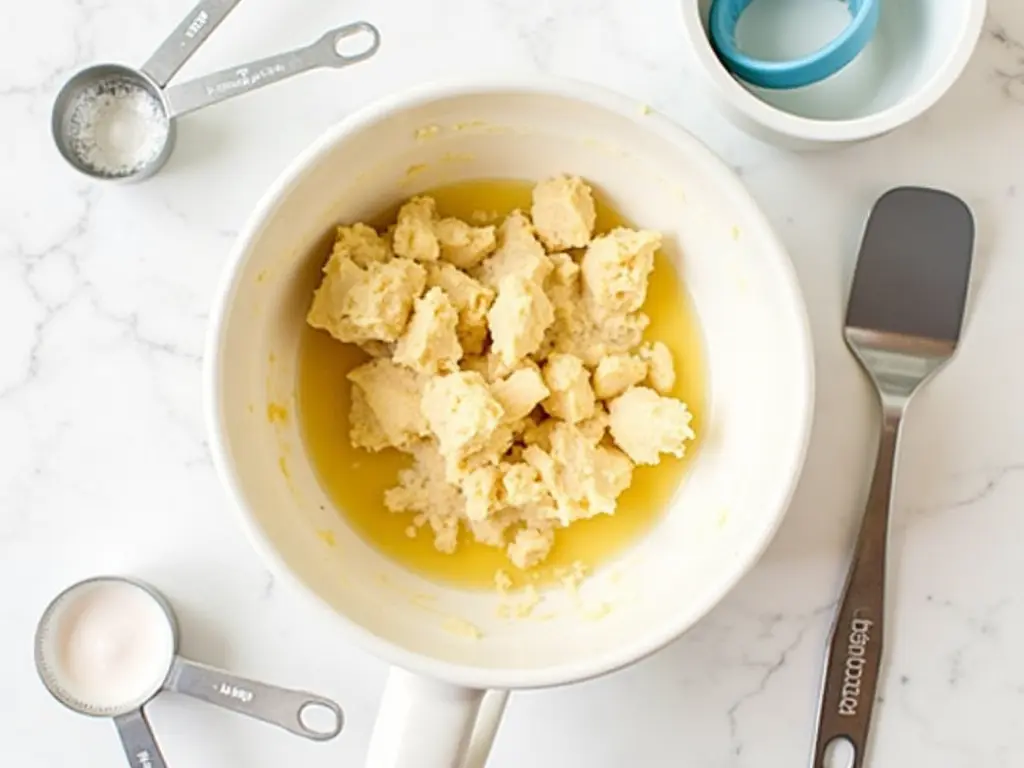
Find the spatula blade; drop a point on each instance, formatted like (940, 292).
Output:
(914, 265)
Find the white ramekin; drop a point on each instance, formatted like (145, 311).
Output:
(921, 48)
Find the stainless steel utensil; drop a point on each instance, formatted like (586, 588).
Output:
(186, 39)
(903, 322)
(288, 709)
(153, 76)
(115, 122)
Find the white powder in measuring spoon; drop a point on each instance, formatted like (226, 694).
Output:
(116, 127)
(111, 646)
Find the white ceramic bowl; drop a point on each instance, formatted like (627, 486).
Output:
(917, 53)
(759, 362)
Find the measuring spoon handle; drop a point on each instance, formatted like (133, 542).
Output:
(137, 739)
(279, 706)
(186, 39)
(235, 81)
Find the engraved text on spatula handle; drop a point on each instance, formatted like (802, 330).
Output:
(855, 650)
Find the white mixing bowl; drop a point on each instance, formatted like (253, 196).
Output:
(759, 363)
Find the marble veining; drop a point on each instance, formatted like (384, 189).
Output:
(104, 296)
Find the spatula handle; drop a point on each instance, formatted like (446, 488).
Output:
(855, 648)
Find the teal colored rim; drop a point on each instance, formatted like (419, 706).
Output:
(796, 73)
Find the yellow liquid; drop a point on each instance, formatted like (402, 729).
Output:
(355, 479)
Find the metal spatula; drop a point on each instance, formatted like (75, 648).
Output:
(903, 322)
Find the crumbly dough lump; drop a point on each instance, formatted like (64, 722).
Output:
(508, 361)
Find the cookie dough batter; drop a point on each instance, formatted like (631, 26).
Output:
(508, 361)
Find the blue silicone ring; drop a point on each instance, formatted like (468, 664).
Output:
(813, 68)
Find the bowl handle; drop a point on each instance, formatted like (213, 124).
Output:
(426, 723)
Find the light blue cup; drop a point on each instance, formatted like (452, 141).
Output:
(799, 72)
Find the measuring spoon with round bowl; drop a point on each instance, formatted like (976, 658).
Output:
(115, 122)
(157, 72)
(107, 646)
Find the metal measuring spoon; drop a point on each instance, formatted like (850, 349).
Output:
(114, 122)
(171, 672)
(99, 80)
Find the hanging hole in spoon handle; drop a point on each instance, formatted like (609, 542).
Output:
(186, 39)
(349, 44)
(227, 83)
(839, 753)
(137, 739)
(851, 673)
(304, 714)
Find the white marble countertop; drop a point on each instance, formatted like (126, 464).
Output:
(104, 294)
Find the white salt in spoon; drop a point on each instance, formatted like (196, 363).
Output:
(106, 646)
(116, 122)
